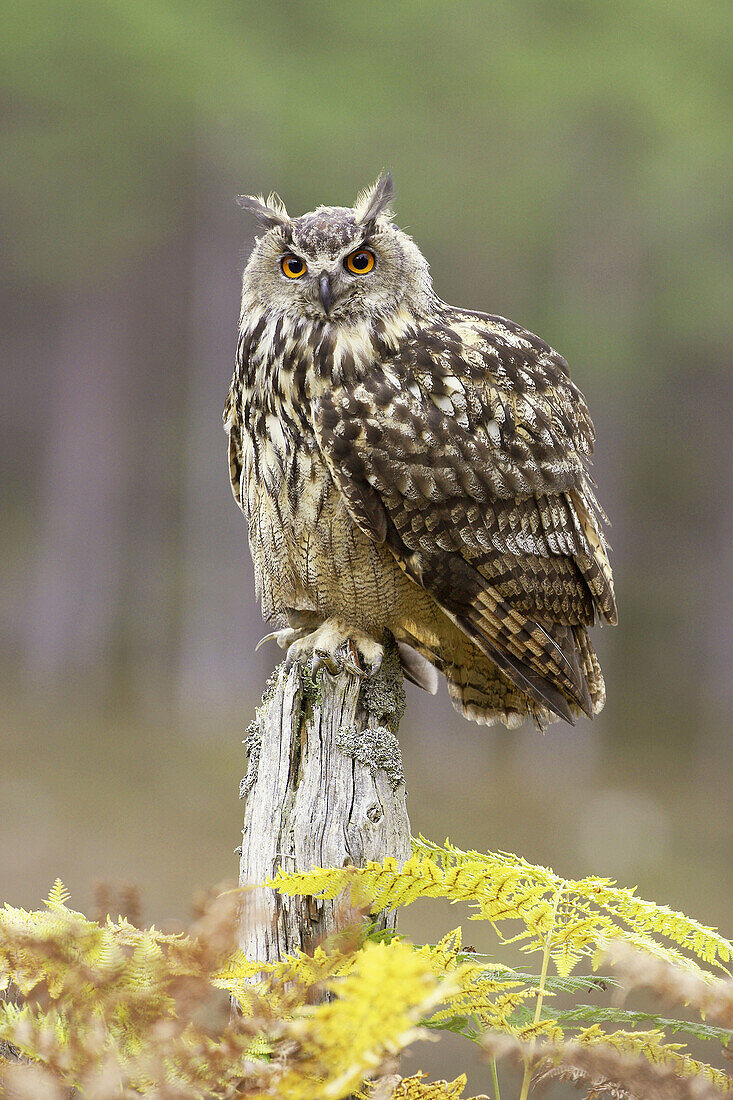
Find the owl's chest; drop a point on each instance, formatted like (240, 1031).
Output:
(297, 521)
(296, 516)
(285, 471)
(304, 543)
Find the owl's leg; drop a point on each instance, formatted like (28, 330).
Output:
(333, 645)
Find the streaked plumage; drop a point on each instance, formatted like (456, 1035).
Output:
(406, 466)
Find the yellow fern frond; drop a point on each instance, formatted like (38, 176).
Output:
(348, 1038)
(58, 896)
(285, 983)
(576, 915)
(652, 1046)
(417, 1088)
(114, 989)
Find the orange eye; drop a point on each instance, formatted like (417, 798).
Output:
(293, 266)
(360, 262)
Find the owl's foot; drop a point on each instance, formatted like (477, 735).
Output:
(332, 646)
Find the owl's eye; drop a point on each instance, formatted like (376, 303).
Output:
(293, 266)
(360, 262)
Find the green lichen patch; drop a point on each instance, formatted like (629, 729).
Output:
(252, 743)
(310, 686)
(383, 695)
(376, 747)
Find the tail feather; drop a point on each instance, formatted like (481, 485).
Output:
(480, 690)
(591, 669)
(417, 668)
(541, 659)
(492, 688)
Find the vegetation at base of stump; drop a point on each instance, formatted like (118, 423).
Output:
(108, 1008)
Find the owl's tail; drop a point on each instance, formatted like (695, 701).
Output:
(483, 693)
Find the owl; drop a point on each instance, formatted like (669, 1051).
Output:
(412, 470)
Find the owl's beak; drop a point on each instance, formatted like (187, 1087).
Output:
(324, 292)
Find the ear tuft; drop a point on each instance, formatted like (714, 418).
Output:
(376, 200)
(270, 212)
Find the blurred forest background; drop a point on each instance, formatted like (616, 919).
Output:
(561, 162)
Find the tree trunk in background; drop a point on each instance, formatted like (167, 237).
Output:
(324, 788)
(104, 591)
(83, 450)
(218, 619)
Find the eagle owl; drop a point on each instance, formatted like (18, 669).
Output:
(413, 469)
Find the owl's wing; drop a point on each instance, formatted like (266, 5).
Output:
(233, 428)
(464, 451)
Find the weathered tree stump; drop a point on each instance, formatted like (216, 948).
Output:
(324, 788)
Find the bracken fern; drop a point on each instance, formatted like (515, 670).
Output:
(107, 1008)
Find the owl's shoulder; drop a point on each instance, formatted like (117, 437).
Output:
(481, 365)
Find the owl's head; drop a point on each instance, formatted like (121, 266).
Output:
(338, 263)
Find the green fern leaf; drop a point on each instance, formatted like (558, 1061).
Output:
(621, 1016)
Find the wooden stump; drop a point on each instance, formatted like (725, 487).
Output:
(324, 788)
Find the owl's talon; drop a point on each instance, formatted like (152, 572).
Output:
(284, 637)
(322, 659)
(351, 660)
(333, 646)
(291, 658)
(315, 665)
(375, 666)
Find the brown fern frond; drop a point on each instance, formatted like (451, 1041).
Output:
(713, 998)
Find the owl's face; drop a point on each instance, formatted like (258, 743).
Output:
(336, 263)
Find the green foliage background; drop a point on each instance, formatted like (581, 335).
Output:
(512, 127)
